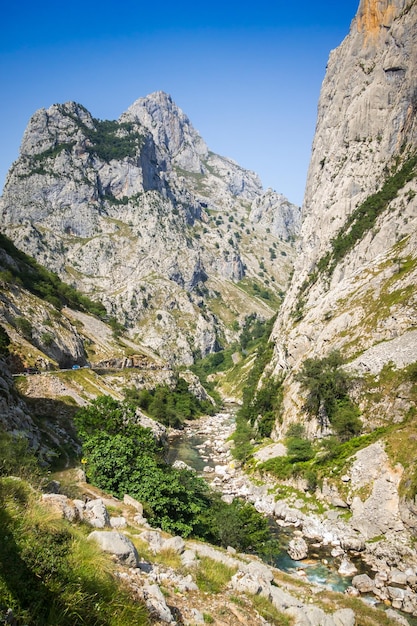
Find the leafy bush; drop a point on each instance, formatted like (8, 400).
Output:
(123, 457)
(238, 524)
(47, 339)
(170, 406)
(299, 449)
(327, 385)
(345, 420)
(24, 327)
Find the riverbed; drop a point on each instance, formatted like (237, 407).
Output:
(204, 446)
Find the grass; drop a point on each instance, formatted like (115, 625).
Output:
(213, 576)
(365, 615)
(50, 573)
(271, 614)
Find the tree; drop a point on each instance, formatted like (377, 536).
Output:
(324, 382)
(327, 386)
(103, 414)
(24, 327)
(345, 421)
(4, 342)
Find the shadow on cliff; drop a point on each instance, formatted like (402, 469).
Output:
(55, 421)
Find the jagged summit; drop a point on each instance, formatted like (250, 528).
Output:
(171, 129)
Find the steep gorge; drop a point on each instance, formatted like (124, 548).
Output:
(179, 244)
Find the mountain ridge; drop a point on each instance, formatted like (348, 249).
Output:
(142, 204)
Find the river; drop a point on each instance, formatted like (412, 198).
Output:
(203, 445)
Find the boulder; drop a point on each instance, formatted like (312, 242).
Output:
(396, 577)
(117, 544)
(62, 505)
(246, 583)
(401, 621)
(260, 570)
(344, 617)
(297, 549)
(177, 544)
(95, 513)
(155, 601)
(353, 543)
(133, 503)
(363, 583)
(154, 539)
(118, 522)
(347, 568)
(189, 558)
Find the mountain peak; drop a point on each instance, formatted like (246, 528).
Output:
(171, 129)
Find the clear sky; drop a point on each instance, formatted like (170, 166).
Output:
(247, 74)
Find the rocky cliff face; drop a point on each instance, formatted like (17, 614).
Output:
(355, 274)
(176, 241)
(356, 269)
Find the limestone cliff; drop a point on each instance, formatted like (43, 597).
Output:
(176, 241)
(354, 285)
(356, 269)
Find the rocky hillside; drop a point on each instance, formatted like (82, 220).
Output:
(355, 274)
(178, 243)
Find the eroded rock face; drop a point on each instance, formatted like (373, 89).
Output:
(142, 215)
(366, 130)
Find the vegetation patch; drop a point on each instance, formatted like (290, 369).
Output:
(357, 225)
(364, 217)
(257, 289)
(170, 406)
(213, 576)
(122, 457)
(26, 272)
(49, 572)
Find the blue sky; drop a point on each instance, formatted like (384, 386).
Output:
(248, 75)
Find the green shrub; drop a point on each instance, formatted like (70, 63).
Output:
(47, 339)
(239, 525)
(4, 342)
(299, 449)
(24, 327)
(123, 457)
(345, 420)
(170, 406)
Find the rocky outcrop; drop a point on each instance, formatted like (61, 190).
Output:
(140, 214)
